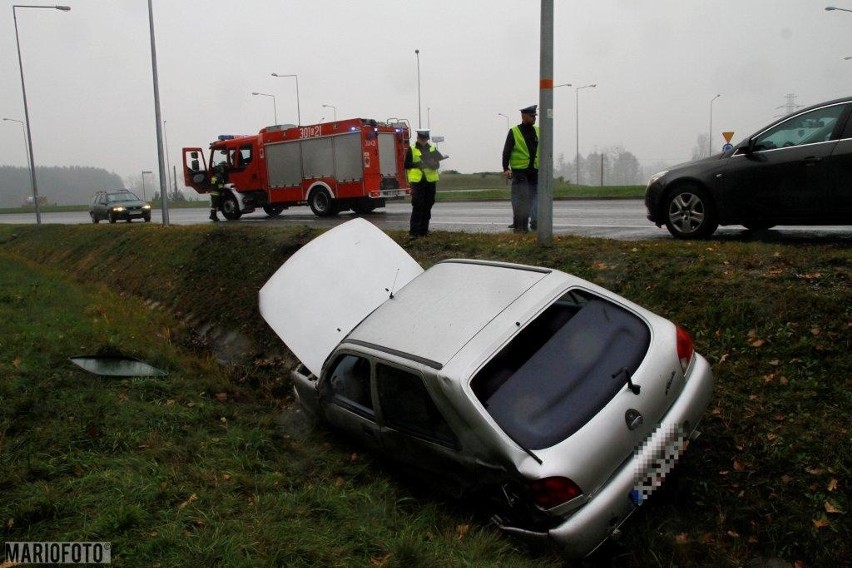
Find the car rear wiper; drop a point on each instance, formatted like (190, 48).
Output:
(634, 388)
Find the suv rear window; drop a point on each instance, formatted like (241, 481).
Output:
(558, 371)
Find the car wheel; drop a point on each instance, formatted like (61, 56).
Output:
(111, 218)
(147, 218)
(690, 213)
(95, 219)
(273, 210)
(322, 204)
(230, 207)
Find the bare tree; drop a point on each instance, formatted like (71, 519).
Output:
(701, 148)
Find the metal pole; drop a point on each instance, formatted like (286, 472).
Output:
(419, 117)
(298, 103)
(545, 142)
(158, 119)
(26, 106)
(274, 105)
(710, 132)
(334, 109)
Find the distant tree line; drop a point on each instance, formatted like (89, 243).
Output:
(612, 166)
(72, 185)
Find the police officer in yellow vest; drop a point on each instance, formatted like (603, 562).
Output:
(520, 164)
(422, 161)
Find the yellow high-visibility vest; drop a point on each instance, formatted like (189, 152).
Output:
(519, 159)
(416, 173)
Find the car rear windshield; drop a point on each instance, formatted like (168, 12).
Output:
(562, 369)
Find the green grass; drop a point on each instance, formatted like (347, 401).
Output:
(213, 464)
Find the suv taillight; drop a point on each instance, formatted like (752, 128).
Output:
(552, 491)
(685, 350)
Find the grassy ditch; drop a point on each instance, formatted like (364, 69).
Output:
(212, 465)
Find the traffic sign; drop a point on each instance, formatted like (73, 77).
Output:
(728, 135)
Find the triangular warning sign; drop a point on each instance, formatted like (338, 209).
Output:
(728, 135)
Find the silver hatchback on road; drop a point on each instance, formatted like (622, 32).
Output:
(562, 402)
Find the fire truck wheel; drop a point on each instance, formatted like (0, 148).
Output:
(230, 207)
(274, 210)
(322, 203)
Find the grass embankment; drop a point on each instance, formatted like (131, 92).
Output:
(212, 465)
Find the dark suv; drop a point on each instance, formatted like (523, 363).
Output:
(796, 171)
(119, 204)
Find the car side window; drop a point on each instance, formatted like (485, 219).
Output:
(808, 128)
(408, 407)
(348, 385)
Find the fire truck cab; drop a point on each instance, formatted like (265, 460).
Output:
(354, 164)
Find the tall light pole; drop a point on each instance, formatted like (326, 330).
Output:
(26, 151)
(26, 107)
(577, 119)
(507, 119)
(158, 118)
(144, 195)
(710, 132)
(298, 104)
(419, 117)
(274, 104)
(334, 108)
(542, 202)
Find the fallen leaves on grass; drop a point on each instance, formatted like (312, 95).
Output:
(831, 508)
(183, 505)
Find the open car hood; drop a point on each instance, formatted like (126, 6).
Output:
(329, 285)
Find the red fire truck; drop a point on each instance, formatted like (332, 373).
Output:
(353, 164)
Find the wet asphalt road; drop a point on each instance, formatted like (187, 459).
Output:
(622, 219)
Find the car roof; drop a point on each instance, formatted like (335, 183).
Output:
(435, 315)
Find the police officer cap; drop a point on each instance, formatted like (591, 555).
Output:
(423, 134)
(530, 110)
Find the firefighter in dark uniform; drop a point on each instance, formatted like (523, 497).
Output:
(520, 164)
(217, 187)
(422, 161)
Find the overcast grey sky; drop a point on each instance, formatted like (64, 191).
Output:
(657, 65)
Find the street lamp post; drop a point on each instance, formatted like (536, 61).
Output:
(419, 116)
(710, 132)
(274, 104)
(298, 104)
(158, 118)
(577, 119)
(507, 119)
(144, 195)
(333, 108)
(26, 108)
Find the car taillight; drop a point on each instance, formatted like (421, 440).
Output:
(552, 491)
(685, 350)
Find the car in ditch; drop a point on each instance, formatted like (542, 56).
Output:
(118, 205)
(562, 403)
(795, 171)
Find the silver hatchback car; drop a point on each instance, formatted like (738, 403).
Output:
(562, 402)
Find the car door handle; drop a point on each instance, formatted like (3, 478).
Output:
(811, 160)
